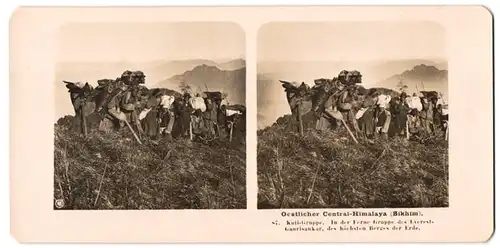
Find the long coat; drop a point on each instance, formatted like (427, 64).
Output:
(400, 117)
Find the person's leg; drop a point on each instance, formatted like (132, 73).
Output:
(170, 123)
(117, 117)
(352, 119)
(134, 118)
(386, 124)
(428, 127)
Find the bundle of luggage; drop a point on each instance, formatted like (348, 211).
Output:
(215, 96)
(414, 102)
(133, 77)
(236, 107)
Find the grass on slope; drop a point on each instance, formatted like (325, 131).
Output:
(393, 173)
(169, 175)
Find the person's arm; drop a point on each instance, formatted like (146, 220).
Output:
(344, 96)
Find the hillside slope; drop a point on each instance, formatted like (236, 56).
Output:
(342, 174)
(165, 175)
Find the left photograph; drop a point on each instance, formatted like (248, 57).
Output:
(150, 116)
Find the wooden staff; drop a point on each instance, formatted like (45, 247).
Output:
(407, 131)
(230, 131)
(84, 121)
(299, 114)
(319, 124)
(217, 129)
(446, 136)
(337, 115)
(128, 125)
(349, 130)
(133, 132)
(191, 129)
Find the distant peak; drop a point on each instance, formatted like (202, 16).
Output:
(205, 67)
(425, 67)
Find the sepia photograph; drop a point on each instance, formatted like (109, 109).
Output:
(352, 115)
(150, 116)
(136, 125)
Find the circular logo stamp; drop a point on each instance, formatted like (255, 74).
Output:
(59, 203)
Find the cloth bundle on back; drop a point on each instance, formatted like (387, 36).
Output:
(444, 109)
(133, 77)
(224, 102)
(353, 77)
(342, 77)
(440, 101)
(360, 113)
(414, 102)
(144, 113)
(383, 100)
(214, 95)
(167, 105)
(294, 92)
(198, 103)
(230, 112)
(167, 101)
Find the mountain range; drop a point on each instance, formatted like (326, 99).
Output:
(420, 77)
(211, 78)
(155, 71)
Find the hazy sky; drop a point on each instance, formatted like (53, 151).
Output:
(354, 41)
(81, 42)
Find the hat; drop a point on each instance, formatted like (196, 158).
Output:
(403, 94)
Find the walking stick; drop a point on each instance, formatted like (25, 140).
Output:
(337, 115)
(84, 122)
(133, 132)
(349, 130)
(230, 131)
(407, 131)
(129, 127)
(217, 130)
(446, 136)
(301, 125)
(191, 129)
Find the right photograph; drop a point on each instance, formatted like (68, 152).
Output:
(352, 115)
